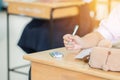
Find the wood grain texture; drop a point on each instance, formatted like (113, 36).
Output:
(67, 63)
(46, 72)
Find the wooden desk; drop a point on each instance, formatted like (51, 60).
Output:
(45, 67)
(44, 10)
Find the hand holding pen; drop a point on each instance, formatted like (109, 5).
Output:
(74, 32)
(71, 41)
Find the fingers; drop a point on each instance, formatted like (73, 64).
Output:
(68, 44)
(71, 46)
(68, 41)
(67, 38)
(71, 42)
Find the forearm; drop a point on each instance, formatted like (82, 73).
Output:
(91, 39)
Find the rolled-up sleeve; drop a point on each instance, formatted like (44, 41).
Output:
(110, 27)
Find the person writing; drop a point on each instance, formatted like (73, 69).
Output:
(109, 29)
(36, 34)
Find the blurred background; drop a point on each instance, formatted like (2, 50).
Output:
(99, 10)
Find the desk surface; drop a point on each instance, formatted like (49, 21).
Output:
(69, 62)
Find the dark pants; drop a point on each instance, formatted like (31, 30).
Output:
(36, 35)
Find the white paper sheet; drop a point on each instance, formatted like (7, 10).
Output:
(83, 53)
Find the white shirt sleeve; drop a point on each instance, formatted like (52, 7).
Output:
(110, 27)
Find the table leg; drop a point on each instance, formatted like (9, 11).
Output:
(8, 48)
(51, 29)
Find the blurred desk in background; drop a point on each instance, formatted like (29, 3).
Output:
(44, 10)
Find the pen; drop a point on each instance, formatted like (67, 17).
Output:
(75, 30)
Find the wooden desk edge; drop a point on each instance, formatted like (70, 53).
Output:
(85, 70)
(52, 5)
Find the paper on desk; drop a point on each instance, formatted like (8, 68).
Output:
(83, 53)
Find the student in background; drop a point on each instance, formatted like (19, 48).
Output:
(36, 34)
